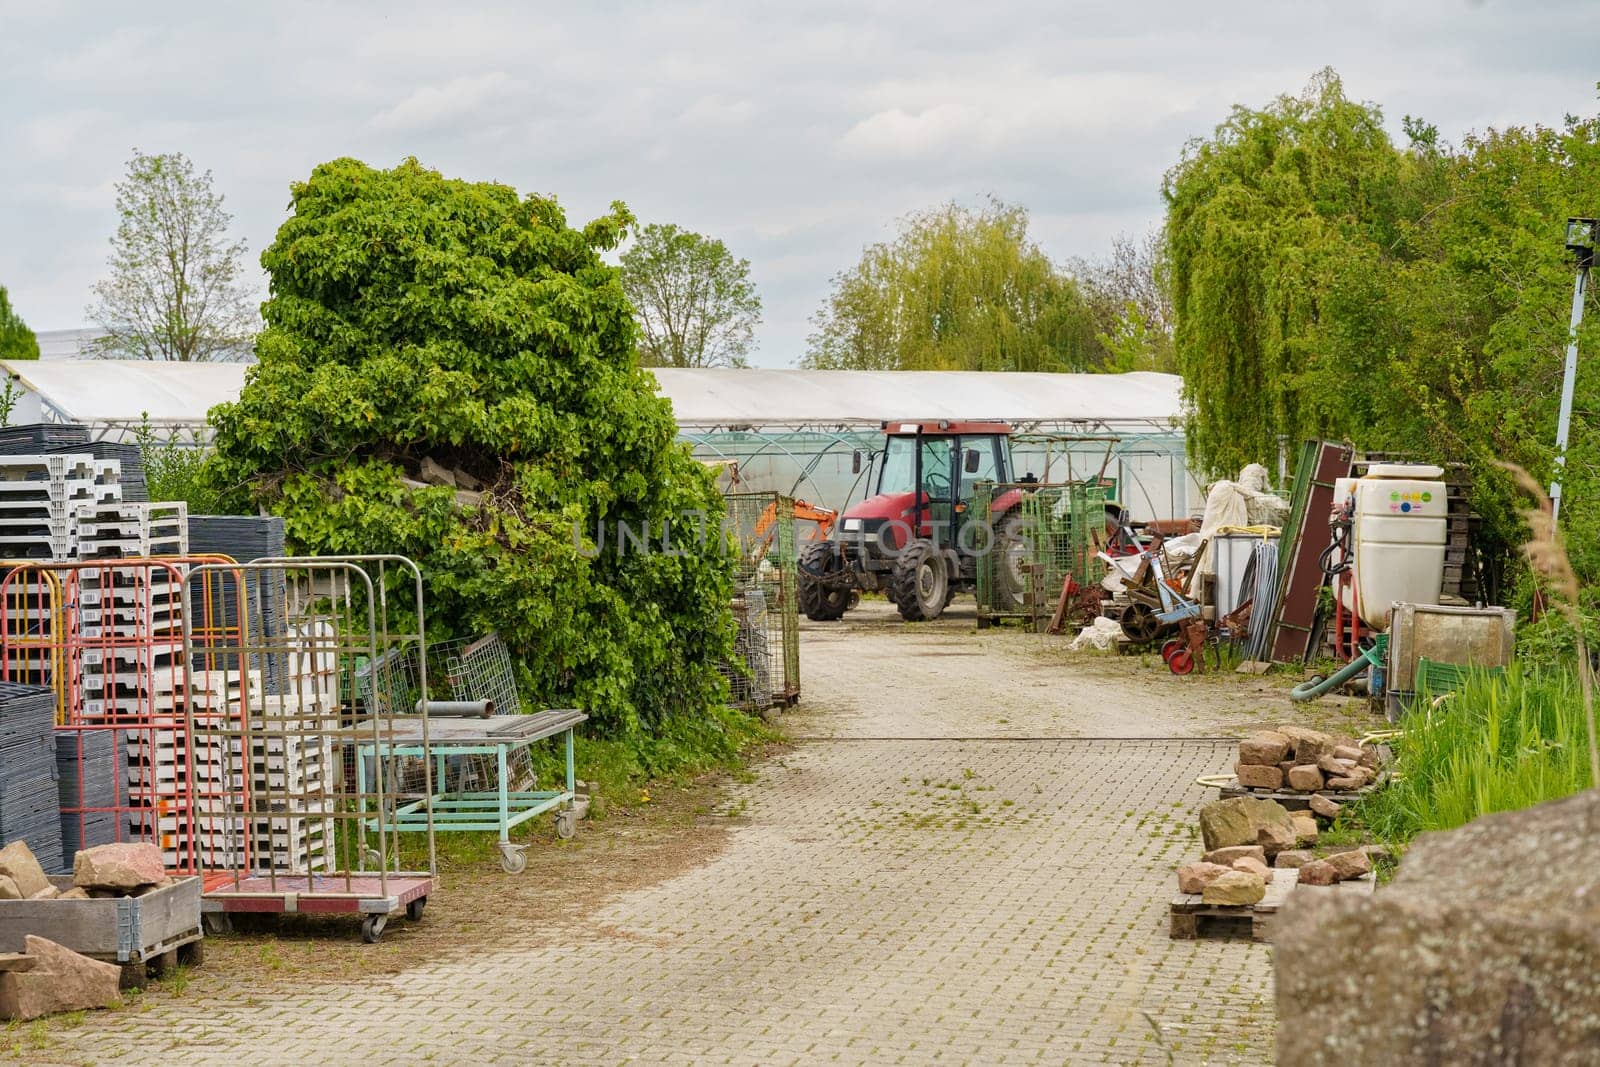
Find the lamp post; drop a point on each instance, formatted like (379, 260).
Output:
(1582, 235)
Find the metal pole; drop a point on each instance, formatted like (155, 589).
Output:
(1568, 383)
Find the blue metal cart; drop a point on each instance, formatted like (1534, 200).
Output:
(497, 809)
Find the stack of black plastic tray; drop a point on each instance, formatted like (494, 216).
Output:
(243, 538)
(30, 806)
(92, 778)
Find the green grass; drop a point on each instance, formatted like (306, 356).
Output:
(1492, 746)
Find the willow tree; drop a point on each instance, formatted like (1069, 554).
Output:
(957, 289)
(1259, 217)
(418, 325)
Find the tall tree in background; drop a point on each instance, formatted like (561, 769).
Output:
(16, 340)
(957, 289)
(1131, 304)
(694, 300)
(1328, 282)
(175, 291)
(1259, 217)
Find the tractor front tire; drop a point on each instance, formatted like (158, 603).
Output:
(921, 582)
(819, 602)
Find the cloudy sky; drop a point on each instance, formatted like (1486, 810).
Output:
(796, 132)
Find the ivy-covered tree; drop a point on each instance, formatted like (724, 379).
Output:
(423, 330)
(16, 340)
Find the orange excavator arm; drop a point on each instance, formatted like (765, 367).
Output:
(765, 532)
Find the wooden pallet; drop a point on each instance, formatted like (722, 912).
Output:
(1193, 918)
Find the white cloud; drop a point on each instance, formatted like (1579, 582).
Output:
(433, 106)
(797, 133)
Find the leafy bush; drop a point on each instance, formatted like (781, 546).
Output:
(418, 324)
(1496, 745)
(176, 470)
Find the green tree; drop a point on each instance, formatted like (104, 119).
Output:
(175, 290)
(957, 289)
(1328, 282)
(694, 299)
(1128, 297)
(1259, 217)
(416, 318)
(16, 340)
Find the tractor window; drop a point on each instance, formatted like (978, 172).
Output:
(987, 469)
(899, 465)
(936, 467)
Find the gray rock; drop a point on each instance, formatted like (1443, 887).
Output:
(1481, 951)
(1246, 821)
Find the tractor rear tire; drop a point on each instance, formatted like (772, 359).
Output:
(920, 585)
(819, 602)
(1010, 581)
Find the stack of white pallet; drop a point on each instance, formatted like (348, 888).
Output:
(294, 764)
(40, 495)
(190, 789)
(292, 769)
(119, 529)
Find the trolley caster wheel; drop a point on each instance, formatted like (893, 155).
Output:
(566, 824)
(414, 909)
(372, 928)
(513, 860)
(372, 859)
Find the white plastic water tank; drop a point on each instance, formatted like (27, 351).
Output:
(1401, 515)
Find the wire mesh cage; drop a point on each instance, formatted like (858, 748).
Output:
(761, 529)
(750, 671)
(1035, 536)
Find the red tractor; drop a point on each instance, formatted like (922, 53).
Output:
(917, 538)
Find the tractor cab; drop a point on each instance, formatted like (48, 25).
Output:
(911, 537)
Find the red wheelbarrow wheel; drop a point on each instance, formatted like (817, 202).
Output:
(1181, 661)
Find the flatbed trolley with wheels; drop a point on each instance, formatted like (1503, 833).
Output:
(498, 809)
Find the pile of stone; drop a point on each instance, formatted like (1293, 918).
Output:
(1247, 838)
(116, 870)
(1295, 759)
(1243, 839)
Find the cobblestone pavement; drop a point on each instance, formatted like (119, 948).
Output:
(881, 901)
